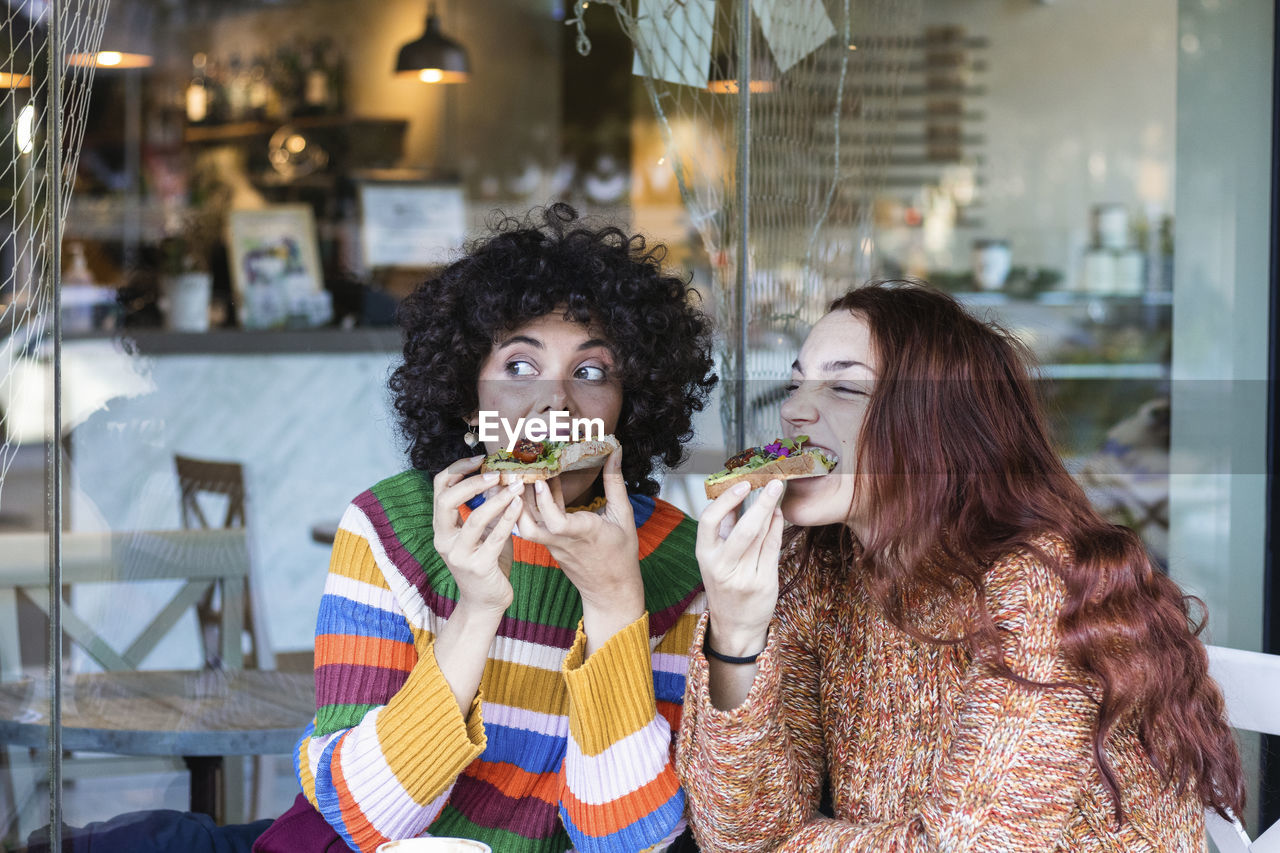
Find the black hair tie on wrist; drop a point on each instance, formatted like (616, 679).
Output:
(712, 653)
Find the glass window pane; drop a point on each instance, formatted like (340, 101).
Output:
(258, 189)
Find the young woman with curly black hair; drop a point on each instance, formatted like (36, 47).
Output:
(491, 663)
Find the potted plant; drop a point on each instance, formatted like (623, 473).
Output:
(187, 283)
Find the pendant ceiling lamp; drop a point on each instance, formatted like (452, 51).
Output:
(723, 79)
(433, 57)
(126, 40)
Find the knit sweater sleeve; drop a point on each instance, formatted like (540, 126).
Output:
(1016, 762)
(619, 787)
(753, 774)
(388, 741)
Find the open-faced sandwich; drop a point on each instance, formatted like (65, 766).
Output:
(530, 461)
(784, 459)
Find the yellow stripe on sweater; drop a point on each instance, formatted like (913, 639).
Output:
(421, 730)
(678, 638)
(352, 558)
(611, 693)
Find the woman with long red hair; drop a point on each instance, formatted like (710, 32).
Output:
(962, 655)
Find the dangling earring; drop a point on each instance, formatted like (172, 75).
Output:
(470, 439)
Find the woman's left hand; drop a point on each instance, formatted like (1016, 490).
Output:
(599, 552)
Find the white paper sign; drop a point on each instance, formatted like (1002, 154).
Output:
(793, 28)
(673, 38)
(407, 225)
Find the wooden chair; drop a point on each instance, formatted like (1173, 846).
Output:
(203, 560)
(1250, 683)
(202, 480)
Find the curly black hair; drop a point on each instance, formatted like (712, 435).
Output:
(525, 269)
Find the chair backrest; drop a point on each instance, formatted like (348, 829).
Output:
(197, 477)
(204, 559)
(1250, 683)
(203, 478)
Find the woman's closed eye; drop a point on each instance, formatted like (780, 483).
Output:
(519, 368)
(849, 390)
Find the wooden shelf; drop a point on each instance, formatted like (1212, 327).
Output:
(247, 130)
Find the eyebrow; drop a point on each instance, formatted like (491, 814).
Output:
(521, 339)
(534, 342)
(832, 366)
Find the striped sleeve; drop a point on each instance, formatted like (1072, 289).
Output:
(388, 741)
(620, 791)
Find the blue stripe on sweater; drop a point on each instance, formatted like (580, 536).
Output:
(339, 615)
(532, 752)
(327, 793)
(668, 687)
(642, 507)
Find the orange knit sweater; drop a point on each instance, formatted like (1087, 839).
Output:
(923, 749)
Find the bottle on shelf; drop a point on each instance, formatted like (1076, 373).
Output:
(215, 85)
(197, 94)
(1166, 253)
(257, 94)
(315, 89)
(284, 86)
(237, 90)
(336, 68)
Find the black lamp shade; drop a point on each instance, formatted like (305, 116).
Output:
(433, 58)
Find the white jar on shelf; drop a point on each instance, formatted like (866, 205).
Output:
(1129, 269)
(1111, 226)
(991, 260)
(1099, 274)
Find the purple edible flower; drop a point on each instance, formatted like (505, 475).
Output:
(777, 449)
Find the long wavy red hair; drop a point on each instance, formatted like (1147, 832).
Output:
(961, 471)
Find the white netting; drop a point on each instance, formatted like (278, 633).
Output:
(825, 85)
(28, 260)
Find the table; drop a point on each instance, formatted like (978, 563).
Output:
(200, 715)
(324, 532)
(198, 558)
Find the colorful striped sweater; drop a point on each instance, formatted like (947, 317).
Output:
(922, 748)
(556, 752)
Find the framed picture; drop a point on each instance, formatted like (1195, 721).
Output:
(275, 265)
(410, 224)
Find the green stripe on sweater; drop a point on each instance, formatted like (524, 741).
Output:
(542, 594)
(331, 718)
(454, 823)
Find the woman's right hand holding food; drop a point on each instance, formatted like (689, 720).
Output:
(472, 549)
(739, 564)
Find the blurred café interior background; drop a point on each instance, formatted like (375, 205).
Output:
(240, 192)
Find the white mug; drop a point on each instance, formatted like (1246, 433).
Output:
(434, 845)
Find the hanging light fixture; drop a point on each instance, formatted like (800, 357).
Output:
(433, 58)
(125, 41)
(111, 59)
(723, 79)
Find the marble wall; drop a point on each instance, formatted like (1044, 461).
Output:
(312, 430)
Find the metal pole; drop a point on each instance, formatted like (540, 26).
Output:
(744, 219)
(53, 149)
